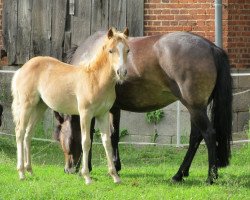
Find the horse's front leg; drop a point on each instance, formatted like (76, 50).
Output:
(104, 126)
(85, 121)
(115, 125)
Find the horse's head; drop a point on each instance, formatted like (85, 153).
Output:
(117, 47)
(68, 133)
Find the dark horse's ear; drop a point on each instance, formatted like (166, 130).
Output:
(59, 118)
(110, 33)
(126, 31)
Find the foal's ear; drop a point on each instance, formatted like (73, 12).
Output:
(110, 33)
(126, 32)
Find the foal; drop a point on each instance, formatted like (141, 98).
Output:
(87, 90)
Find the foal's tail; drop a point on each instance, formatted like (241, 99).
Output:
(15, 103)
(222, 106)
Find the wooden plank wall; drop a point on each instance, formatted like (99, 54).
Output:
(51, 27)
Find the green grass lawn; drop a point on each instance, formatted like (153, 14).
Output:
(146, 174)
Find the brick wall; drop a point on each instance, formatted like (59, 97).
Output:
(163, 16)
(239, 33)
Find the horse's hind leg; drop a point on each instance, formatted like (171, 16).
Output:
(21, 124)
(35, 116)
(200, 119)
(194, 142)
(106, 141)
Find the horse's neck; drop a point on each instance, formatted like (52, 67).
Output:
(100, 71)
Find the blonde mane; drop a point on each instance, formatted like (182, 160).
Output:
(100, 58)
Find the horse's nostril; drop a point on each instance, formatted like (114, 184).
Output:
(125, 72)
(118, 72)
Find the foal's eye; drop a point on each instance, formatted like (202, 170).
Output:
(110, 51)
(128, 50)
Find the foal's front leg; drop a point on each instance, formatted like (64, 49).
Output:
(103, 123)
(85, 121)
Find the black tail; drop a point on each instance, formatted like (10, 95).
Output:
(67, 57)
(222, 106)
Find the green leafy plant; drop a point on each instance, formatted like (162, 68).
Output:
(123, 133)
(154, 118)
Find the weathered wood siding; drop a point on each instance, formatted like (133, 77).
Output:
(51, 27)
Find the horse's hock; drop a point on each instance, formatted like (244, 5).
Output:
(135, 123)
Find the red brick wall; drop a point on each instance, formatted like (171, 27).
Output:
(163, 16)
(239, 33)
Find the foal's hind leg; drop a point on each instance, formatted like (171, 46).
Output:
(195, 139)
(20, 129)
(106, 141)
(35, 116)
(200, 119)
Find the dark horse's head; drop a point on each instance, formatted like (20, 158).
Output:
(68, 133)
(1, 112)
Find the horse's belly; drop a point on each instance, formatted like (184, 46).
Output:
(66, 104)
(143, 99)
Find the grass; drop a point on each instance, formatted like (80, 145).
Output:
(146, 174)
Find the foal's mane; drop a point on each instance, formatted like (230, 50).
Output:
(101, 57)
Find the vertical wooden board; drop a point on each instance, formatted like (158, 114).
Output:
(10, 29)
(41, 27)
(80, 24)
(57, 27)
(23, 31)
(117, 14)
(99, 17)
(135, 17)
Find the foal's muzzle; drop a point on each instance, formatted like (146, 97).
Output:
(122, 73)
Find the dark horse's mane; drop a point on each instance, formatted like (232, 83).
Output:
(68, 55)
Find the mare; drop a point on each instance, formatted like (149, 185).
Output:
(1, 113)
(162, 69)
(87, 90)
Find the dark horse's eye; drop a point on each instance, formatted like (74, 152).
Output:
(110, 51)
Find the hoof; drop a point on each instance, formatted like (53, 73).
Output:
(30, 171)
(21, 177)
(177, 179)
(87, 179)
(117, 180)
(70, 170)
(210, 181)
(186, 174)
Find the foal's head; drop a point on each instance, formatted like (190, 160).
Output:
(116, 45)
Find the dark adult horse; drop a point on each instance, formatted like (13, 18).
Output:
(162, 69)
